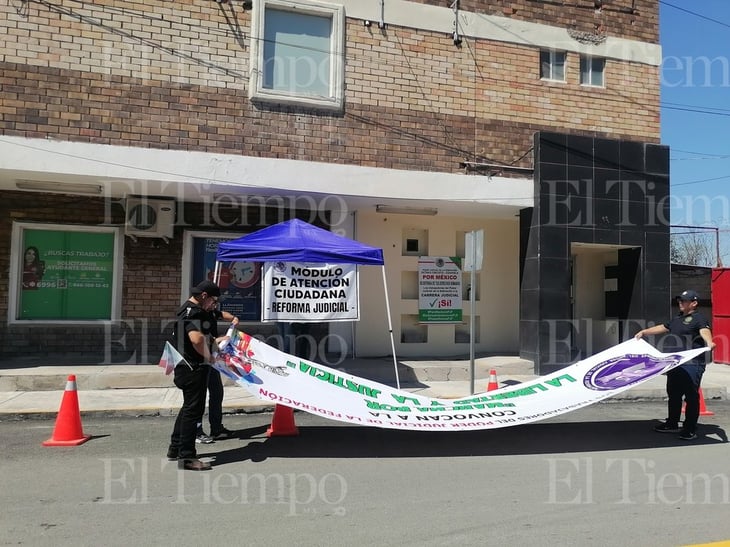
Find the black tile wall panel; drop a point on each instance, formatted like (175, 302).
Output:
(657, 276)
(580, 151)
(658, 307)
(552, 210)
(657, 159)
(606, 237)
(600, 191)
(554, 242)
(658, 216)
(633, 236)
(554, 304)
(658, 185)
(607, 214)
(607, 154)
(551, 148)
(555, 276)
(632, 156)
(657, 247)
(633, 186)
(553, 179)
(531, 275)
(634, 215)
(530, 304)
(607, 184)
(580, 235)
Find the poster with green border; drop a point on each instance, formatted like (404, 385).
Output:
(66, 275)
(439, 289)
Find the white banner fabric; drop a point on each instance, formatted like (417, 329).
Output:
(301, 293)
(277, 377)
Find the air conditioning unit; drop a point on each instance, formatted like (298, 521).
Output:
(149, 217)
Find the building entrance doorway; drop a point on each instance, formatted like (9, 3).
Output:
(603, 278)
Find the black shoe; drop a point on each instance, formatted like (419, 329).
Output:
(172, 453)
(688, 435)
(222, 434)
(667, 428)
(193, 465)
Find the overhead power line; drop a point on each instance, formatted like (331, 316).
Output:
(699, 181)
(698, 110)
(702, 108)
(722, 23)
(702, 155)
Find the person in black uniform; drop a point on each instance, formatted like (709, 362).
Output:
(215, 391)
(690, 329)
(192, 337)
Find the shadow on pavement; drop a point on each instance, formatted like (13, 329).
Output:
(555, 438)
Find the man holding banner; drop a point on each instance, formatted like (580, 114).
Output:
(689, 330)
(215, 390)
(191, 336)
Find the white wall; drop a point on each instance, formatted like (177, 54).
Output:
(498, 314)
(589, 311)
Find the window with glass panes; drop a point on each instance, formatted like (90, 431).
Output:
(552, 65)
(591, 70)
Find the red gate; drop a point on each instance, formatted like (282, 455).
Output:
(721, 314)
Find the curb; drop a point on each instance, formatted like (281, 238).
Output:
(126, 413)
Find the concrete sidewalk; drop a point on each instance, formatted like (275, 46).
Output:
(138, 390)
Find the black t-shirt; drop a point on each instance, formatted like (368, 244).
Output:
(191, 317)
(684, 334)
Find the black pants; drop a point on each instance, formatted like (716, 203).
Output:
(193, 384)
(215, 402)
(681, 385)
(296, 340)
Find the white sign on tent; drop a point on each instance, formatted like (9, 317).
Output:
(301, 292)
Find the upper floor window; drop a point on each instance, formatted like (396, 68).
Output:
(552, 65)
(297, 53)
(591, 70)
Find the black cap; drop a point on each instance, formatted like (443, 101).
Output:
(690, 296)
(206, 287)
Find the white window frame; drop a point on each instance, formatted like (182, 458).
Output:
(335, 101)
(16, 255)
(553, 54)
(588, 59)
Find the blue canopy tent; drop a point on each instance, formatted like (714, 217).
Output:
(299, 241)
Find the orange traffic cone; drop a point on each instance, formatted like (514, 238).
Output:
(703, 407)
(493, 384)
(282, 424)
(68, 430)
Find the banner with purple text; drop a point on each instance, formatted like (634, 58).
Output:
(278, 377)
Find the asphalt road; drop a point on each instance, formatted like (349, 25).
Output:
(597, 476)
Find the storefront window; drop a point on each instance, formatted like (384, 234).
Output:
(240, 282)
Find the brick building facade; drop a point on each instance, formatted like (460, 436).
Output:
(156, 99)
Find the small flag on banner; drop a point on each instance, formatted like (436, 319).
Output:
(170, 358)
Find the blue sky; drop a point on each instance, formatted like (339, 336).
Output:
(696, 111)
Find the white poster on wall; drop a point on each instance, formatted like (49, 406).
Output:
(302, 292)
(439, 289)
